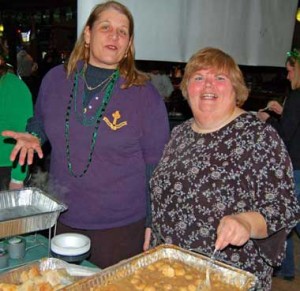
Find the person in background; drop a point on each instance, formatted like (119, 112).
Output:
(27, 70)
(25, 64)
(50, 60)
(4, 50)
(107, 126)
(225, 180)
(4, 53)
(288, 127)
(15, 109)
(162, 83)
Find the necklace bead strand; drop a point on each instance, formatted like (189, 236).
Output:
(100, 111)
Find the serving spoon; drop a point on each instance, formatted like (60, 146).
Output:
(211, 261)
(209, 264)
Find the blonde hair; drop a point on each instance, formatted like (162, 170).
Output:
(127, 66)
(215, 58)
(294, 61)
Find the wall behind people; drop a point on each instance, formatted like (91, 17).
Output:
(248, 30)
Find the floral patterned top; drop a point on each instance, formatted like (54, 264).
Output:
(242, 167)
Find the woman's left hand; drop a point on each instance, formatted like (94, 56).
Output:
(232, 230)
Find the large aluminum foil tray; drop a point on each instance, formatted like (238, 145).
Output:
(76, 272)
(27, 210)
(233, 276)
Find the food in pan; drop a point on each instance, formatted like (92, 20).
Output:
(36, 280)
(164, 275)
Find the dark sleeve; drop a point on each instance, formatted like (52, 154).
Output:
(35, 124)
(289, 121)
(149, 172)
(270, 250)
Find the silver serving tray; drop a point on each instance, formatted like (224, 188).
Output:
(240, 279)
(27, 210)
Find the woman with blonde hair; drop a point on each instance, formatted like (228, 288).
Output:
(107, 126)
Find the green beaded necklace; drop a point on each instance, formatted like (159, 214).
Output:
(99, 114)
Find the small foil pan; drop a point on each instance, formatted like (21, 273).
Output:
(240, 279)
(76, 272)
(27, 210)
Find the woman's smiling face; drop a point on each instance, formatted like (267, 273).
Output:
(108, 39)
(211, 92)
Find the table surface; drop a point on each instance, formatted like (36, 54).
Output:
(37, 247)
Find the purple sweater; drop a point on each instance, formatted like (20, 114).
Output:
(113, 191)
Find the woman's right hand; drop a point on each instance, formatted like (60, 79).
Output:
(275, 107)
(27, 144)
(237, 229)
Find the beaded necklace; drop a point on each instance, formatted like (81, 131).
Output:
(99, 114)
